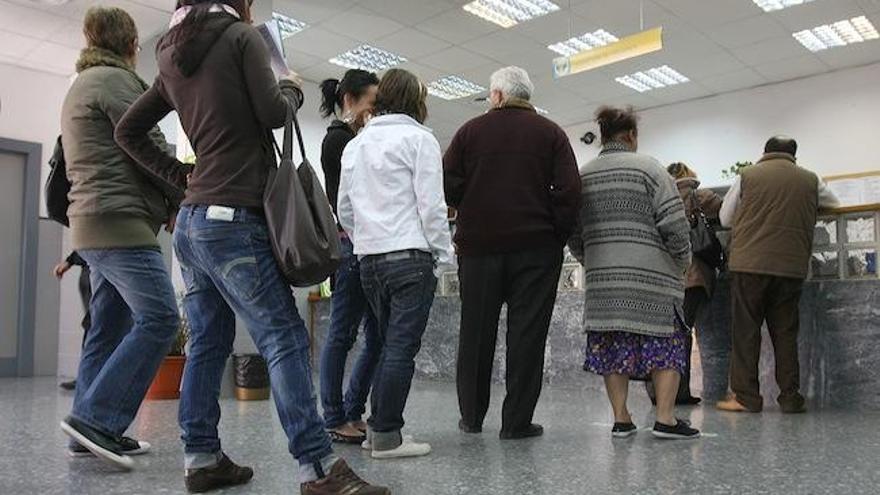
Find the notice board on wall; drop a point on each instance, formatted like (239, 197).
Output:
(856, 192)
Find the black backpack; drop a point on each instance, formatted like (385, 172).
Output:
(57, 187)
(704, 241)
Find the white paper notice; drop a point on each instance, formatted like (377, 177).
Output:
(271, 33)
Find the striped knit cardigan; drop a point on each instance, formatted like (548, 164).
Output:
(634, 241)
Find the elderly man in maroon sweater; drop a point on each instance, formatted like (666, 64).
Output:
(513, 178)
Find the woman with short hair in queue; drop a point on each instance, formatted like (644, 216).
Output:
(351, 100)
(215, 71)
(699, 282)
(392, 206)
(115, 214)
(633, 240)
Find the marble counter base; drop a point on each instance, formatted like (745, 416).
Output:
(839, 345)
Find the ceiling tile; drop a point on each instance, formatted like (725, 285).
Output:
(312, 11)
(362, 25)
(29, 22)
(770, 50)
(710, 13)
(732, 81)
(870, 6)
(456, 26)
(852, 55)
(747, 31)
(319, 42)
(817, 13)
(16, 46)
(792, 68)
(55, 57)
(455, 59)
(412, 44)
(407, 12)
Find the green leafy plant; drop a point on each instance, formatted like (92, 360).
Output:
(183, 329)
(734, 170)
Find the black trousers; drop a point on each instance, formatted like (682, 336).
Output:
(776, 300)
(527, 282)
(696, 301)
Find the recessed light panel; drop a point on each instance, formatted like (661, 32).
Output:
(367, 57)
(771, 5)
(454, 88)
(582, 43)
(507, 13)
(840, 33)
(656, 78)
(288, 25)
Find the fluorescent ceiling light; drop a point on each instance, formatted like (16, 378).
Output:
(507, 13)
(771, 5)
(288, 25)
(840, 33)
(656, 78)
(454, 88)
(541, 111)
(582, 43)
(629, 47)
(367, 57)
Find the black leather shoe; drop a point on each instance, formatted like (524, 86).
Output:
(99, 443)
(534, 430)
(225, 473)
(468, 428)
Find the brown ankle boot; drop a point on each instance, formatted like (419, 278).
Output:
(341, 480)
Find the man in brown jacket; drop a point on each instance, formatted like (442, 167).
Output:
(513, 178)
(772, 208)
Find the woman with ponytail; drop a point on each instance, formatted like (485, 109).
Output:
(215, 71)
(351, 101)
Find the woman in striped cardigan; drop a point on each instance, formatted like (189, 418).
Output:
(633, 240)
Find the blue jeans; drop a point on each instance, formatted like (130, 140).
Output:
(400, 288)
(134, 322)
(229, 270)
(350, 308)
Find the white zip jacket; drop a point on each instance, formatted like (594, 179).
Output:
(391, 190)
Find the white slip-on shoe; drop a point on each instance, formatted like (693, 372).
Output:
(97, 442)
(408, 448)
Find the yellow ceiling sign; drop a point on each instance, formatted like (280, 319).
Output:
(632, 46)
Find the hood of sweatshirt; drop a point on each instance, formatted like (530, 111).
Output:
(187, 55)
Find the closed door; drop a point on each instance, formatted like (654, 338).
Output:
(12, 185)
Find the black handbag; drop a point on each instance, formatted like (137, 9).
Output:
(302, 228)
(704, 241)
(58, 187)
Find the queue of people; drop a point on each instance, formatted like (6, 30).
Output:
(510, 174)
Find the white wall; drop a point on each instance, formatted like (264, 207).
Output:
(834, 117)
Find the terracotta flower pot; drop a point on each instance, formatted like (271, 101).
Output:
(166, 383)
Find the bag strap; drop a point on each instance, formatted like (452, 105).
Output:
(291, 125)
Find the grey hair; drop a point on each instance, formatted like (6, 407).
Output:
(512, 82)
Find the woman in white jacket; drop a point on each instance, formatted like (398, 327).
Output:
(392, 207)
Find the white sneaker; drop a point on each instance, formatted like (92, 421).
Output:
(368, 443)
(408, 448)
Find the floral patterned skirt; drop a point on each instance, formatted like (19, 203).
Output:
(634, 355)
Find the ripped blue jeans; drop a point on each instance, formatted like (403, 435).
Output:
(229, 270)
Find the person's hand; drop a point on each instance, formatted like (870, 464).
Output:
(171, 223)
(294, 78)
(60, 269)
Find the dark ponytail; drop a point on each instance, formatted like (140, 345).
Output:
(354, 83)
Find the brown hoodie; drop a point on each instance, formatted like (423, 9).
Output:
(222, 86)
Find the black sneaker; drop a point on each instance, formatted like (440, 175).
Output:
(69, 386)
(623, 430)
(99, 443)
(225, 473)
(468, 428)
(681, 431)
(130, 446)
(534, 430)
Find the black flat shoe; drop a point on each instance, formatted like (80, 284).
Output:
(466, 428)
(623, 430)
(688, 401)
(681, 431)
(225, 473)
(534, 430)
(337, 437)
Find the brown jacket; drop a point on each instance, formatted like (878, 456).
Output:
(699, 274)
(775, 219)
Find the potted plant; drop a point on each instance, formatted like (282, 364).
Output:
(166, 383)
(735, 170)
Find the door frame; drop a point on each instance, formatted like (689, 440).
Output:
(23, 363)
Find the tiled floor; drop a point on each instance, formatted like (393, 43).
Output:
(817, 453)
